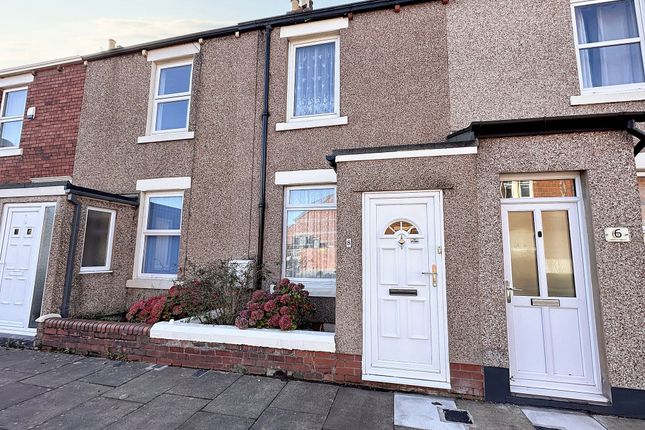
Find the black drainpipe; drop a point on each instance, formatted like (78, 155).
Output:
(637, 133)
(263, 154)
(71, 255)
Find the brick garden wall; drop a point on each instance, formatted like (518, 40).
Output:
(132, 342)
(48, 142)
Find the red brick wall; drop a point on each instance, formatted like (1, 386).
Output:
(132, 342)
(48, 142)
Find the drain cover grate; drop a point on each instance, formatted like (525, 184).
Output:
(457, 416)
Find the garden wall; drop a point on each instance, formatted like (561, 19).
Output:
(132, 342)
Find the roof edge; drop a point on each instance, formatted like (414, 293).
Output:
(548, 125)
(259, 24)
(30, 68)
(331, 159)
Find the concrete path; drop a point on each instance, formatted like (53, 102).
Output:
(58, 391)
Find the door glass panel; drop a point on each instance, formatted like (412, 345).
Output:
(557, 253)
(523, 253)
(538, 188)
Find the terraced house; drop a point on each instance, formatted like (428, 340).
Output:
(455, 182)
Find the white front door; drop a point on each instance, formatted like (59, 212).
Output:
(552, 348)
(405, 337)
(19, 248)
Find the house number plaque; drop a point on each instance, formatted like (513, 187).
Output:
(617, 234)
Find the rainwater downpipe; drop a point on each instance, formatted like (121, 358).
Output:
(71, 255)
(263, 153)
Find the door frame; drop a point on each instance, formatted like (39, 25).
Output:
(367, 288)
(4, 225)
(583, 233)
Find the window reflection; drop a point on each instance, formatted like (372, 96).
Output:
(518, 189)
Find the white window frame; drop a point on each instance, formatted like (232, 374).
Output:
(610, 93)
(108, 255)
(157, 99)
(316, 287)
(143, 232)
(320, 120)
(4, 119)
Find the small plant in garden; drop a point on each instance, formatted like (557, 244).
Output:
(287, 308)
(214, 294)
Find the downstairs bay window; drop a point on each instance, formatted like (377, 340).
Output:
(309, 238)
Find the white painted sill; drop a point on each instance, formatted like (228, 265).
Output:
(268, 338)
(167, 137)
(151, 284)
(313, 123)
(10, 152)
(315, 290)
(93, 272)
(598, 98)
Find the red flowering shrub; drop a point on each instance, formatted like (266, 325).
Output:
(215, 294)
(287, 308)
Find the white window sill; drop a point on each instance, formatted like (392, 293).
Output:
(92, 272)
(597, 98)
(268, 338)
(167, 137)
(313, 123)
(323, 290)
(10, 152)
(151, 283)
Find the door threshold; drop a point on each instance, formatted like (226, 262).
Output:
(560, 396)
(442, 385)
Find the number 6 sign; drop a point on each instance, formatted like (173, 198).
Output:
(617, 234)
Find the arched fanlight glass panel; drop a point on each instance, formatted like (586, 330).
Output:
(398, 226)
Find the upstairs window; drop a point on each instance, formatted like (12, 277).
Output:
(172, 97)
(12, 112)
(609, 42)
(315, 80)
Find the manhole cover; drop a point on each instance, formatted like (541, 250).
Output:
(457, 416)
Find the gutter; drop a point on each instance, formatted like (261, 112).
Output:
(637, 133)
(30, 68)
(261, 24)
(259, 256)
(73, 192)
(554, 125)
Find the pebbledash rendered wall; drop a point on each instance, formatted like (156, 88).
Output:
(223, 158)
(477, 332)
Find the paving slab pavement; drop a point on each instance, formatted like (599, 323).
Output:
(94, 414)
(247, 397)
(59, 391)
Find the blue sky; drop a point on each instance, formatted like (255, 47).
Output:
(38, 30)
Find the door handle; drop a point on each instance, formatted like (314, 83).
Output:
(434, 275)
(509, 291)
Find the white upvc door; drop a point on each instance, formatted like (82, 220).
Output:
(19, 248)
(405, 338)
(552, 346)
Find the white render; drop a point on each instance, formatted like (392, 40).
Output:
(306, 177)
(57, 190)
(173, 52)
(416, 153)
(316, 27)
(269, 338)
(164, 184)
(16, 80)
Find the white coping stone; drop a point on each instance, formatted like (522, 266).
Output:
(420, 412)
(47, 316)
(270, 338)
(561, 420)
